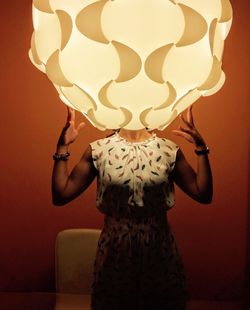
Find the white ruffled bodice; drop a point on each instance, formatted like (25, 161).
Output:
(134, 174)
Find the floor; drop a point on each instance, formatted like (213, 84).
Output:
(53, 301)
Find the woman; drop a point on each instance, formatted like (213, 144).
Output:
(137, 263)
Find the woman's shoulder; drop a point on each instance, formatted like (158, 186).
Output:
(102, 142)
(168, 143)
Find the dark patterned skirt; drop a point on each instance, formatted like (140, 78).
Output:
(138, 266)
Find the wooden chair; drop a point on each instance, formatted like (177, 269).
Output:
(74, 259)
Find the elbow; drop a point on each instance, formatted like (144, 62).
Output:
(58, 201)
(205, 200)
(205, 197)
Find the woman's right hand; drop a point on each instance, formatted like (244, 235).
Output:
(69, 132)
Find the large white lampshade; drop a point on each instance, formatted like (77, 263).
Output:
(131, 63)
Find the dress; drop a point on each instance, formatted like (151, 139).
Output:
(137, 263)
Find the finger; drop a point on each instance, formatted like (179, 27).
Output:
(184, 135)
(186, 130)
(192, 133)
(72, 114)
(68, 115)
(190, 115)
(67, 125)
(186, 122)
(180, 133)
(80, 126)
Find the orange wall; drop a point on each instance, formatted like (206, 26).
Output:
(212, 238)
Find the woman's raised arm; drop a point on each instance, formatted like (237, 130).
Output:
(64, 186)
(198, 185)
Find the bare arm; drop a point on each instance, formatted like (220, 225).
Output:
(196, 185)
(66, 187)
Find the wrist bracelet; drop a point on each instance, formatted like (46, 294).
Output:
(202, 152)
(61, 156)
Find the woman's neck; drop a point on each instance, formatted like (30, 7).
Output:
(134, 135)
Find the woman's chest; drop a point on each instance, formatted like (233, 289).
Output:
(134, 165)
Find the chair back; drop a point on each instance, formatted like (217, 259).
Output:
(75, 251)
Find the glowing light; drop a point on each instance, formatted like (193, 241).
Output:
(131, 63)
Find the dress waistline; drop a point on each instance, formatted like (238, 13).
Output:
(153, 222)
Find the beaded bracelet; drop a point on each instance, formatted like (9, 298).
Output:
(61, 156)
(202, 152)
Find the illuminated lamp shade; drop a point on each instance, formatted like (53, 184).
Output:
(131, 63)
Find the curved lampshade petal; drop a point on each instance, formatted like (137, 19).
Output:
(81, 100)
(88, 21)
(184, 101)
(35, 57)
(143, 116)
(63, 98)
(188, 67)
(217, 87)
(207, 9)
(226, 28)
(218, 45)
(151, 117)
(127, 116)
(170, 99)
(212, 30)
(142, 26)
(226, 11)
(214, 76)
(103, 96)
(90, 72)
(104, 115)
(172, 117)
(48, 34)
(66, 27)
(195, 29)
(54, 71)
(154, 63)
(43, 5)
(65, 101)
(173, 1)
(129, 94)
(91, 117)
(40, 66)
(217, 34)
(131, 63)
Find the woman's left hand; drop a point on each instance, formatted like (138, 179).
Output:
(191, 134)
